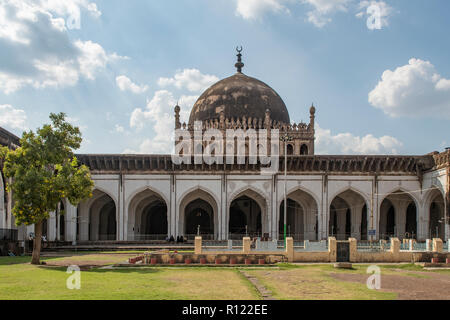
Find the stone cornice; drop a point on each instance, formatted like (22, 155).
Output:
(8, 139)
(389, 165)
(441, 160)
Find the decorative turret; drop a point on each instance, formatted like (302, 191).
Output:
(177, 117)
(312, 112)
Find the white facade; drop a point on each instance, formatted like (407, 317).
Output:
(314, 194)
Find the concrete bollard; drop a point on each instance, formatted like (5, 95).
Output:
(290, 249)
(198, 245)
(332, 249)
(246, 245)
(353, 243)
(395, 248)
(437, 245)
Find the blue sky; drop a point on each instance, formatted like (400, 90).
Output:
(119, 72)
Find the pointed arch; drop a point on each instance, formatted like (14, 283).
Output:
(147, 217)
(351, 188)
(401, 190)
(434, 205)
(256, 217)
(303, 218)
(398, 214)
(346, 213)
(206, 206)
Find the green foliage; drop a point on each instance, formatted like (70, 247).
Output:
(45, 171)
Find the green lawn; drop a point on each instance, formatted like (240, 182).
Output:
(21, 280)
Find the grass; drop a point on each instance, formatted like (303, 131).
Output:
(21, 280)
(314, 282)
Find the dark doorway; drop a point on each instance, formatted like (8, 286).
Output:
(390, 222)
(62, 225)
(304, 150)
(411, 221)
(364, 223)
(294, 219)
(107, 222)
(245, 218)
(154, 220)
(199, 214)
(436, 221)
(290, 149)
(45, 228)
(348, 224)
(333, 222)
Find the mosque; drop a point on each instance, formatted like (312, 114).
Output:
(150, 197)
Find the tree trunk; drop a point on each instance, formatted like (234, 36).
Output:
(37, 243)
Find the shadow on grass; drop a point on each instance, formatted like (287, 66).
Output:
(96, 269)
(6, 261)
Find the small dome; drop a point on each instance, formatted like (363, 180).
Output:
(238, 96)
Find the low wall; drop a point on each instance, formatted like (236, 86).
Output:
(394, 254)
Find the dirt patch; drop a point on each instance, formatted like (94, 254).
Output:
(426, 286)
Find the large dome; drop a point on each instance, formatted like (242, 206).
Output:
(238, 96)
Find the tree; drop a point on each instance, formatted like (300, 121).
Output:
(44, 170)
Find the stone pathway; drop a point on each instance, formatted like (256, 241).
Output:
(263, 291)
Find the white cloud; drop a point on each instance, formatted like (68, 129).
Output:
(125, 84)
(191, 79)
(322, 9)
(119, 128)
(377, 12)
(70, 7)
(347, 143)
(319, 14)
(159, 115)
(76, 122)
(12, 118)
(37, 50)
(412, 90)
(255, 9)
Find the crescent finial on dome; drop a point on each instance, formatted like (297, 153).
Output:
(239, 65)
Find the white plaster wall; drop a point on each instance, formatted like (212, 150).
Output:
(225, 188)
